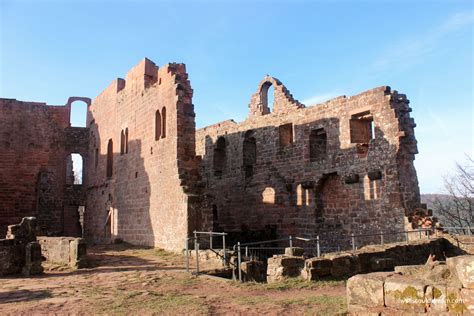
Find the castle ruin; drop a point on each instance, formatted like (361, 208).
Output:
(151, 178)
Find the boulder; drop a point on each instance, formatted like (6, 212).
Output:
(464, 268)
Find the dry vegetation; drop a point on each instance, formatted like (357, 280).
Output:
(129, 280)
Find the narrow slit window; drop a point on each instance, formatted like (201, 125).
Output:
(157, 125)
(110, 158)
(163, 124)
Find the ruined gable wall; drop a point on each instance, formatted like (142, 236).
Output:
(310, 197)
(32, 163)
(149, 185)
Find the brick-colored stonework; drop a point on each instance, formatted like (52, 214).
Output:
(316, 170)
(36, 140)
(151, 178)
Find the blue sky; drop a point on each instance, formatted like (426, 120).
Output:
(51, 50)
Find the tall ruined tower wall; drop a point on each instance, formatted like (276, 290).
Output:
(139, 186)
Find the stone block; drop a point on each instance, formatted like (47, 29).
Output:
(77, 253)
(294, 251)
(367, 290)
(464, 268)
(317, 267)
(467, 296)
(253, 271)
(382, 264)
(411, 269)
(344, 265)
(32, 259)
(405, 293)
(282, 267)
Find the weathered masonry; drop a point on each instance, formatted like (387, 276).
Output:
(36, 143)
(341, 167)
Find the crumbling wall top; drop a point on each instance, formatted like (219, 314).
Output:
(283, 99)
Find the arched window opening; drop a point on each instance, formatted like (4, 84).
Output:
(163, 124)
(318, 144)
(126, 140)
(110, 158)
(268, 196)
(249, 153)
(122, 142)
(267, 95)
(74, 169)
(157, 125)
(220, 156)
(78, 114)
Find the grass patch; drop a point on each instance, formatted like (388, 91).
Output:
(140, 302)
(252, 300)
(291, 284)
(325, 304)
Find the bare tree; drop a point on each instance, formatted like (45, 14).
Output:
(78, 176)
(457, 209)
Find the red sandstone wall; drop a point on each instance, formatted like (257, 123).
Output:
(32, 148)
(333, 206)
(149, 187)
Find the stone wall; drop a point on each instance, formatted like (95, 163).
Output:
(331, 169)
(20, 252)
(435, 288)
(35, 141)
(365, 260)
(66, 251)
(143, 174)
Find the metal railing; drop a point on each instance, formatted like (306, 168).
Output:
(262, 250)
(208, 236)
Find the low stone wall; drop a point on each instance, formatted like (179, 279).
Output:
(367, 259)
(376, 258)
(67, 251)
(432, 288)
(20, 252)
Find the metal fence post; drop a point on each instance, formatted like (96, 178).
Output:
(239, 261)
(318, 249)
(187, 254)
(197, 258)
(223, 249)
(406, 236)
(353, 241)
(291, 242)
(420, 234)
(381, 238)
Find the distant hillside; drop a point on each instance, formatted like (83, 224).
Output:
(430, 198)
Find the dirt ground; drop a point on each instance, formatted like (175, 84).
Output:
(140, 281)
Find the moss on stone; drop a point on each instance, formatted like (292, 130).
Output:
(436, 293)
